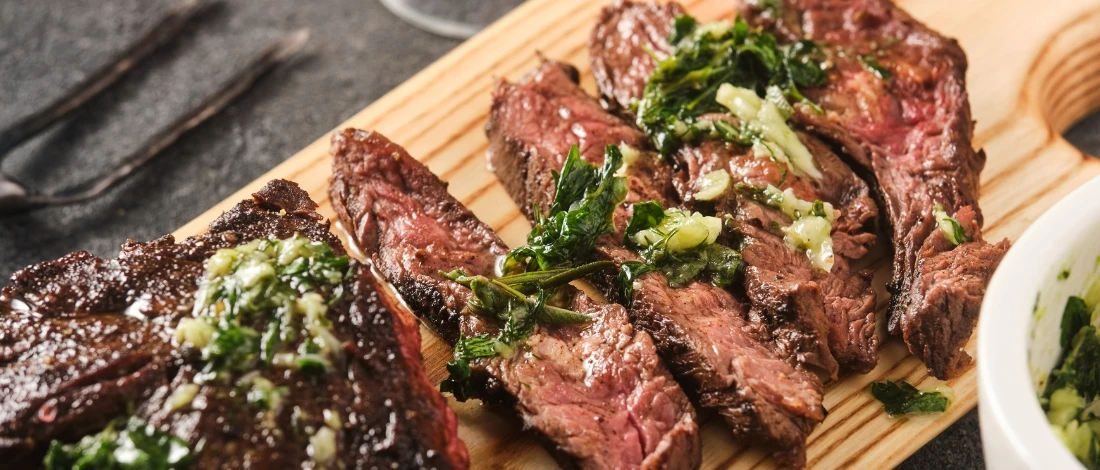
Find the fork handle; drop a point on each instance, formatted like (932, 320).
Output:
(163, 31)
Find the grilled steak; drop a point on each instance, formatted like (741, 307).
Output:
(911, 127)
(701, 330)
(833, 311)
(549, 91)
(84, 340)
(620, 73)
(597, 391)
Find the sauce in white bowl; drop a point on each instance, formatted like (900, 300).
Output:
(1019, 331)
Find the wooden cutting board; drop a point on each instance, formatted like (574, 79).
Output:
(1034, 70)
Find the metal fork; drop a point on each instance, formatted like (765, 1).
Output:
(16, 197)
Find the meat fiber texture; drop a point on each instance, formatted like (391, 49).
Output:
(718, 351)
(84, 340)
(827, 317)
(598, 392)
(913, 131)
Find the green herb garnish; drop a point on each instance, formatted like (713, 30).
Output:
(704, 56)
(267, 397)
(1083, 361)
(467, 349)
(646, 215)
(505, 300)
(122, 445)
(628, 272)
(1080, 367)
(868, 61)
(585, 200)
(497, 298)
(951, 228)
(312, 366)
(232, 347)
(679, 245)
(264, 285)
(899, 398)
(1071, 398)
(534, 281)
(1075, 316)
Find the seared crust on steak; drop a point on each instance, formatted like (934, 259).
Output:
(827, 317)
(84, 340)
(913, 131)
(597, 391)
(703, 332)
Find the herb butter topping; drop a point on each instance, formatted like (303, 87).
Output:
(951, 228)
(681, 244)
(712, 185)
(1071, 393)
(279, 284)
(707, 66)
(259, 305)
(767, 122)
(811, 229)
(123, 444)
(679, 231)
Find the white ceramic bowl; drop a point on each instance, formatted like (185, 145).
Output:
(1016, 346)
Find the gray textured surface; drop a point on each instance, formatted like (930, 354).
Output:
(1085, 135)
(357, 52)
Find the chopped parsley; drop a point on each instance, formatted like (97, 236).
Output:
(685, 85)
(900, 398)
(123, 445)
(264, 395)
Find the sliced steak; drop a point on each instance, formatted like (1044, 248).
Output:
(831, 313)
(597, 391)
(85, 340)
(701, 330)
(551, 105)
(615, 48)
(912, 129)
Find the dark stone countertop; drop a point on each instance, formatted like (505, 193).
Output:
(357, 52)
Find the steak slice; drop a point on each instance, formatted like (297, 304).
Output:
(598, 391)
(549, 90)
(701, 330)
(619, 63)
(833, 312)
(100, 347)
(912, 129)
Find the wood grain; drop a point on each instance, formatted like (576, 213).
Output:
(1033, 72)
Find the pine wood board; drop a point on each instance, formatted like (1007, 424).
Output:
(1034, 70)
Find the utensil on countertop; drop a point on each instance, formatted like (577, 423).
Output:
(16, 197)
(166, 29)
